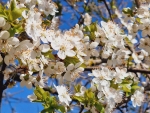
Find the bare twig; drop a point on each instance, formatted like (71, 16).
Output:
(108, 9)
(82, 108)
(137, 3)
(138, 70)
(2, 78)
(81, 20)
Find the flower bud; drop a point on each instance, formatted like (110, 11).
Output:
(6, 26)
(2, 21)
(4, 35)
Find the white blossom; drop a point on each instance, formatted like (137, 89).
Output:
(63, 94)
(137, 98)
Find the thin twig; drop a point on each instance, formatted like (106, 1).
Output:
(138, 70)
(82, 108)
(108, 9)
(80, 21)
(137, 3)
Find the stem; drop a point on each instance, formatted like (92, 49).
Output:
(82, 108)
(108, 9)
(2, 78)
(81, 20)
(137, 3)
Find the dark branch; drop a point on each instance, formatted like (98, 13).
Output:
(82, 108)
(137, 3)
(2, 78)
(138, 70)
(128, 70)
(108, 9)
(81, 20)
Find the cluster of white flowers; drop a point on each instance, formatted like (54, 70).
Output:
(102, 81)
(49, 50)
(6, 42)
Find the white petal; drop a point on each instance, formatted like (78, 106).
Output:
(78, 64)
(80, 69)
(6, 60)
(61, 54)
(70, 67)
(32, 97)
(29, 85)
(6, 26)
(67, 76)
(22, 83)
(44, 40)
(2, 21)
(4, 35)
(24, 14)
(70, 53)
(55, 46)
(134, 41)
(103, 23)
(13, 41)
(44, 48)
(33, 54)
(93, 45)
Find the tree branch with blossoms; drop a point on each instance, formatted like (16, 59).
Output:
(54, 63)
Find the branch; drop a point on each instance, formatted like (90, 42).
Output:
(108, 9)
(120, 109)
(128, 70)
(81, 20)
(2, 78)
(138, 70)
(137, 3)
(82, 108)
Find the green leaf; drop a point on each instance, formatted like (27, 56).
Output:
(47, 110)
(128, 11)
(1, 7)
(112, 4)
(125, 87)
(19, 29)
(77, 88)
(2, 14)
(12, 5)
(83, 65)
(91, 28)
(69, 60)
(61, 109)
(12, 32)
(115, 86)
(49, 55)
(135, 87)
(38, 101)
(89, 97)
(16, 13)
(88, 111)
(127, 41)
(99, 107)
(80, 99)
(138, 20)
(13, 12)
(41, 94)
(92, 35)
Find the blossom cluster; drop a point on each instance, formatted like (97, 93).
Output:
(48, 52)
